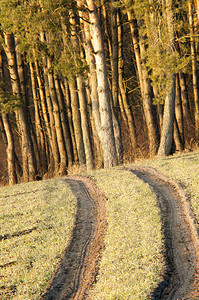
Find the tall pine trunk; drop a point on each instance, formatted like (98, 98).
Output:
(107, 133)
(10, 150)
(194, 68)
(166, 141)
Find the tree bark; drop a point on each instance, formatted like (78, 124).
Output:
(124, 96)
(10, 150)
(166, 141)
(77, 122)
(179, 111)
(194, 68)
(145, 87)
(82, 100)
(64, 122)
(108, 140)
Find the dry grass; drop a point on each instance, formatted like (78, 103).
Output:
(131, 263)
(184, 168)
(35, 222)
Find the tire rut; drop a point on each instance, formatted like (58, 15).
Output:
(79, 263)
(181, 280)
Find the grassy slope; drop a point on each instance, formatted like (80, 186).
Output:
(184, 169)
(131, 263)
(47, 207)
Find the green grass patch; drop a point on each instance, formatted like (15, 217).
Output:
(36, 220)
(131, 263)
(184, 169)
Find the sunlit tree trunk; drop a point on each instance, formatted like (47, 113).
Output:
(166, 141)
(108, 140)
(194, 67)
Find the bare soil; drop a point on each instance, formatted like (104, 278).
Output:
(79, 265)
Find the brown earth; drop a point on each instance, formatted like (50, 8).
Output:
(79, 265)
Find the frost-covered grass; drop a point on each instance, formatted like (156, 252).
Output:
(35, 226)
(131, 263)
(184, 169)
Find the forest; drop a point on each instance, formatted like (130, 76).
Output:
(95, 84)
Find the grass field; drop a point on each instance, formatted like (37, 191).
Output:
(36, 221)
(131, 264)
(35, 224)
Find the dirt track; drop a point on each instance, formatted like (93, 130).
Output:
(79, 264)
(181, 239)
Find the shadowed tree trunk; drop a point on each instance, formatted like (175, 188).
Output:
(10, 151)
(82, 99)
(145, 87)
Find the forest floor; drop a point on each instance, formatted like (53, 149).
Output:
(79, 266)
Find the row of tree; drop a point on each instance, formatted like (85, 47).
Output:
(78, 78)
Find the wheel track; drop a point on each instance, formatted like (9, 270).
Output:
(78, 266)
(181, 239)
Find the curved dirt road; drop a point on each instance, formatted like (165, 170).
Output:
(181, 238)
(78, 266)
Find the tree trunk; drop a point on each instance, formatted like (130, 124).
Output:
(145, 87)
(114, 59)
(82, 100)
(70, 121)
(55, 149)
(194, 68)
(166, 141)
(185, 102)
(77, 122)
(40, 137)
(10, 150)
(178, 110)
(108, 141)
(64, 122)
(124, 96)
(56, 114)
